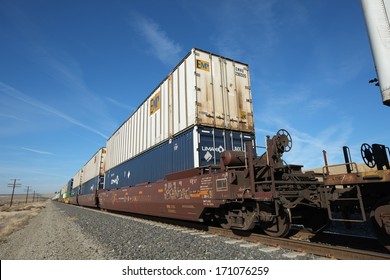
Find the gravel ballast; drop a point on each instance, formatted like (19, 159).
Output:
(64, 232)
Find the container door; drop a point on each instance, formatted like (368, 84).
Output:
(219, 92)
(223, 95)
(171, 108)
(204, 89)
(212, 142)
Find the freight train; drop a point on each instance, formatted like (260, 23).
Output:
(189, 152)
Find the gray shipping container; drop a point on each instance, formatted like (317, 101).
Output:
(203, 90)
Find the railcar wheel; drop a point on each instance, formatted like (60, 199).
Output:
(380, 218)
(238, 220)
(225, 223)
(280, 225)
(223, 219)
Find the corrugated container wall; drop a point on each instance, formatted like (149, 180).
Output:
(93, 172)
(77, 179)
(95, 166)
(204, 89)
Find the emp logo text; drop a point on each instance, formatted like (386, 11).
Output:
(201, 64)
(155, 103)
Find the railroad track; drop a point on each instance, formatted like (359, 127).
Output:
(302, 241)
(325, 250)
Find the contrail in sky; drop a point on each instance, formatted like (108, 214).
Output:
(37, 151)
(10, 91)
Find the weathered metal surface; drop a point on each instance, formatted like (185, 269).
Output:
(184, 198)
(231, 158)
(229, 193)
(363, 177)
(87, 200)
(73, 200)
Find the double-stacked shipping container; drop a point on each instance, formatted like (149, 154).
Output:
(202, 108)
(76, 184)
(88, 180)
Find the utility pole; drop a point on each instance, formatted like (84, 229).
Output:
(34, 196)
(13, 186)
(28, 188)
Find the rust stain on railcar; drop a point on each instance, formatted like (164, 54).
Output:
(87, 200)
(375, 176)
(181, 198)
(114, 198)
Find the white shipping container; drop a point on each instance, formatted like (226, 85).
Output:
(204, 89)
(63, 191)
(95, 166)
(77, 179)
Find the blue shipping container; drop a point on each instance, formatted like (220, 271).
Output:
(194, 147)
(90, 186)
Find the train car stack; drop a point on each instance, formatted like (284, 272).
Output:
(188, 152)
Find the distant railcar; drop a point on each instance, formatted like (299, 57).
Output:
(88, 180)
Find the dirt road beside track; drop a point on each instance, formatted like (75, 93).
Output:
(49, 235)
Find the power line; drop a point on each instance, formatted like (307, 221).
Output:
(13, 186)
(28, 188)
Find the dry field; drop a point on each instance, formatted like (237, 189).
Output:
(16, 217)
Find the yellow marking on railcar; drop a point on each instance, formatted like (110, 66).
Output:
(155, 103)
(200, 193)
(204, 192)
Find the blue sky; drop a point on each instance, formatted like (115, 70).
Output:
(71, 72)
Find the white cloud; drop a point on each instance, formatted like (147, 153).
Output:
(163, 47)
(300, 112)
(307, 147)
(252, 25)
(62, 67)
(120, 104)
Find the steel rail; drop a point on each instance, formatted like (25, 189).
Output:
(325, 250)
